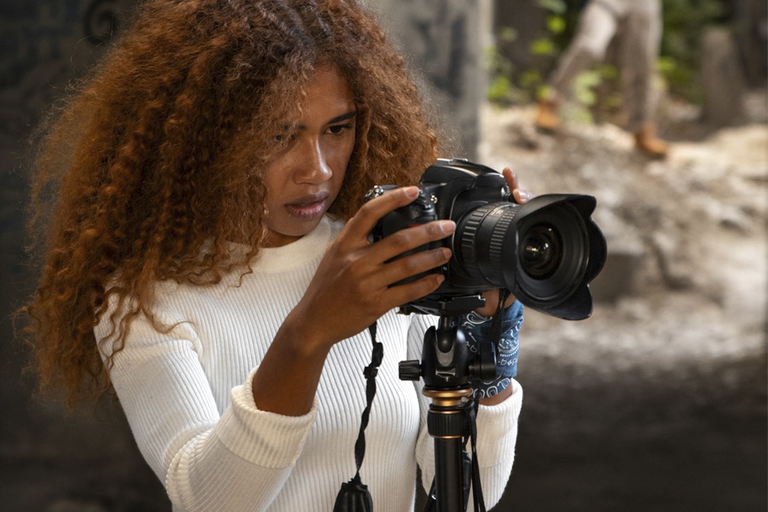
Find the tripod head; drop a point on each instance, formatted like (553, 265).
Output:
(447, 369)
(446, 362)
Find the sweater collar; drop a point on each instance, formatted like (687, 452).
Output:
(295, 254)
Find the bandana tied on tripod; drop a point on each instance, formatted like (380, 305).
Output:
(480, 329)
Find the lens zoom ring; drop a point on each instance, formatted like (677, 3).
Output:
(468, 235)
(496, 256)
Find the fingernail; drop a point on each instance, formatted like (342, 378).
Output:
(412, 192)
(447, 226)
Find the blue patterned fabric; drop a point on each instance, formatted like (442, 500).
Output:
(477, 328)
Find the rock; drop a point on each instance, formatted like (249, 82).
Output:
(621, 274)
(722, 78)
(75, 505)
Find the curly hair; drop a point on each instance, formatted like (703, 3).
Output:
(155, 161)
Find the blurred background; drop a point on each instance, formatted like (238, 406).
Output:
(656, 403)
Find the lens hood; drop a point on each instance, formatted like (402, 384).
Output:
(552, 252)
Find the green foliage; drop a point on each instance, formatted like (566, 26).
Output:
(544, 46)
(501, 91)
(556, 24)
(555, 6)
(507, 34)
(510, 85)
(684, 24)
(584, 87)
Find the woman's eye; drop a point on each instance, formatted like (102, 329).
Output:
(338, 129)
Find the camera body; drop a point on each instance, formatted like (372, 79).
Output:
(545, 251)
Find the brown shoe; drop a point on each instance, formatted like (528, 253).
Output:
(649, 144)
(546, 116)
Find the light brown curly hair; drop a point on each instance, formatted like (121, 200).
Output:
(156, 161)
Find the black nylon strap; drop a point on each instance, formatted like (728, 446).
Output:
(370, 373)
(498, 317)
(477, 490)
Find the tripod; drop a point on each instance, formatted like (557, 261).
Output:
(446, 368)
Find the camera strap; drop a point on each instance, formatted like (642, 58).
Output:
(498, 317)
(495, 335)
(477, 490)
(354, 495)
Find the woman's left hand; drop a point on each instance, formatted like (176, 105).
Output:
(521, 197)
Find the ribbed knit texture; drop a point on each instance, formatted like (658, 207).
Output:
(187, 397)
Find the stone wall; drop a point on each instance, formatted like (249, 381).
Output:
(442, 40)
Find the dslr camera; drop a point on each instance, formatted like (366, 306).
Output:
(545, 252)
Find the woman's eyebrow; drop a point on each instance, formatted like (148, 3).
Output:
(337, 119)
(343, 117)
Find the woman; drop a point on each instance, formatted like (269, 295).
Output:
(209, 258)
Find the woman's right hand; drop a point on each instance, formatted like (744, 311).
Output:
(351, 288)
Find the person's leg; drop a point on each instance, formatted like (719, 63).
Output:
(640, 52)
(597, 27)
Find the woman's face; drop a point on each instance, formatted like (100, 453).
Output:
(303, 180)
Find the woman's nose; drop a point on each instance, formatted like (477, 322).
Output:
(313, 165)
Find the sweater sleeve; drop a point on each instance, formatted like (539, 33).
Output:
(238, 460)
(496, 429)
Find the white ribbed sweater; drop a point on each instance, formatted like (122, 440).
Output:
(186, 394)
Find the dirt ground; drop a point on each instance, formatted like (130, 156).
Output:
(658, 401)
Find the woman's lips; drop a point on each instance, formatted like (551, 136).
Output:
(308, 207)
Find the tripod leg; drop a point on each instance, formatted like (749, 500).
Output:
(449, 485)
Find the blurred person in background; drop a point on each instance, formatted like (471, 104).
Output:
(637, 24)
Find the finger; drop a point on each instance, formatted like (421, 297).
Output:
(402, 294)
(510, 177)
(413, 264)
(410, 238)
(369, 214)
(520, 196)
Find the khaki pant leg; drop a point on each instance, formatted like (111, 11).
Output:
(640, 39)
(597, 27)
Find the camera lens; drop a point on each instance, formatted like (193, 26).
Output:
(542, 251)
(545, 252)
